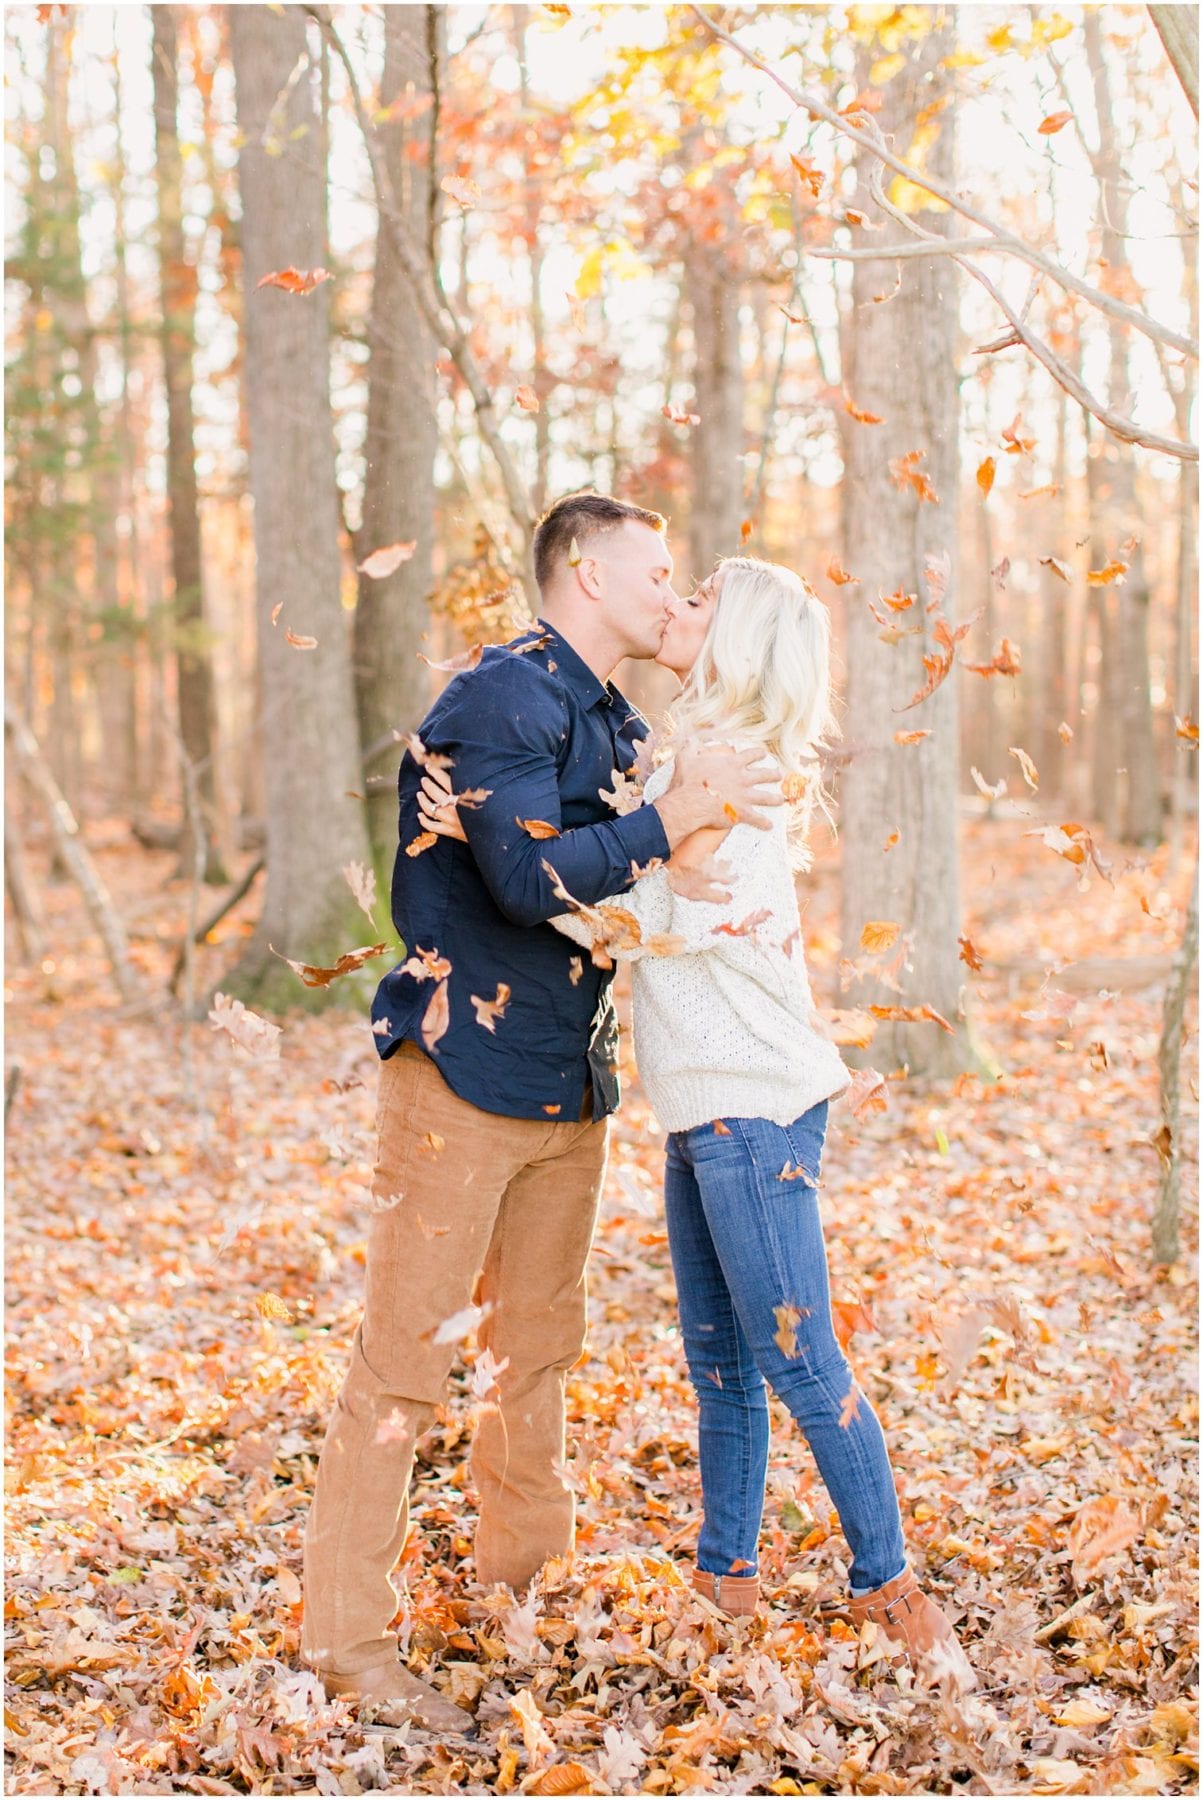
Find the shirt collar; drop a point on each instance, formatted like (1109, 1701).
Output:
(573, 669)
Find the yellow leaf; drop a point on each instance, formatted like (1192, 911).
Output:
(885, 69)
(1081, 1714)
(270, 1306)
(878, 935)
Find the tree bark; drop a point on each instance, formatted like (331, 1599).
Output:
(716, 442)
(177, 278)
(1169, 1056)
(402, 435)
(311, 753)
(1178, 29)
(27, 906)
(900, 362)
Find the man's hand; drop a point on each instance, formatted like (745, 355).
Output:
(716, 785)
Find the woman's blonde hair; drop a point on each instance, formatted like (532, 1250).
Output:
(763, 676)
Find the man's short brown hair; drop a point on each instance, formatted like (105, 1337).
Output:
(582, 516)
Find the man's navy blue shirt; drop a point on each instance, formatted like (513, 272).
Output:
(537, 730)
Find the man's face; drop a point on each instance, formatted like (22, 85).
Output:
(639, 590)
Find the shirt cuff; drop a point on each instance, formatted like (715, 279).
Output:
(643, 835)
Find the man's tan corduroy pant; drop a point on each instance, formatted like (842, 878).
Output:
(458, 1194)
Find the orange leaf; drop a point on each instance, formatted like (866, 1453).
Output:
(867, 1094)
(565, 1777)
(862, 418)
(878, 935)
(488, 1011)
(461, 188)
(839, 575)
(537, 828)
(437, 1017)
(969, 954)
(1101, 1529)
(985, 475)
(270, 1306)
(1055, 122)
(385, 561)
(891, 841)
(910, 737)
(300, 643)
(527, 399)
(277, 609)
(348, 962)
(418, 844)
(913, 1015)
(1006, 661)
(677, 415)
(721, 1130)
(1112, 572)
(851, 1028)
(1186, 729)
(294, 281)
(905, 470)
(786, 1337)
(808, 174)
(1012, 437)
(455, 665)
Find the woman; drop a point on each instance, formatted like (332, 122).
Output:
(740, 1076)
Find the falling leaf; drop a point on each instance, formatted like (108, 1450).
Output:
(1006, 661)
(867, 1093)
(1065, 732)
(258, 1037)
(1047, 492)
(294, 281)
(994, 792)
(807, 173)
(913, 1015)
(455, 665)
(300, 643)
(387, 561)
(910, 737)
(851, 1028)
(890, 842)
(436, 1018)
(721, 1130)
(424, 841)
(905, 471)
(999, 573)
(394, 1429)
(677, 415)
(969, 954)
(527, 399)
(551, 1107)
(1027, 767)
(461, 188)
(459, 1325)
(853, 217)
(878, 935)
(362, 883)
(792, 1172)
(270, 1306)
(1058, 567)
(486, 1373)
(558, 12)
(576, 969)
(277, 609)
(537, 828)
(839, 575)
(786, 1337)
(1055, 122)
(1111, 572)
(1075, 843)
(1012, 437)
(427, 965)
(489, 1011)
(315, 976)
(745, 926)
(1186, 729)
(425, 759)
(985, 475)
(850, 1406)
(862, 418)
(745, 530)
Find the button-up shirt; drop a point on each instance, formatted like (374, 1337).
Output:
(534, 731)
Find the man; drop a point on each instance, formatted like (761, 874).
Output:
(498, 1041)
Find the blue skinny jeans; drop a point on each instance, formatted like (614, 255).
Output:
(751, 1272)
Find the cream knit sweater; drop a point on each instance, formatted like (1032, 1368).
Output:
(724, 1020)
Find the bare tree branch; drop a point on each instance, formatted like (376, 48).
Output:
(1002, 240)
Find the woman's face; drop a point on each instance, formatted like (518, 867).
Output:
(688, 622)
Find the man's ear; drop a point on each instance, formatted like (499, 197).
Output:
(591, 573)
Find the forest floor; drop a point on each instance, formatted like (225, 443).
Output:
(185, 1247)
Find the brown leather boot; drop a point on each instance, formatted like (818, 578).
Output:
(906, 1617)
(736, 1595)
(387, 1692)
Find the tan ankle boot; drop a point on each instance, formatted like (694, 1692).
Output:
(925, 1639)
(736, 1595)
(389, 1694)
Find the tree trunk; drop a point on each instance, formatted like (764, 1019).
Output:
(402, 437)
(1178, 29)
(26, 904)
(716, 443)
(1053, 703)
(194, 676)
(900, 362)
(1140, 809)
(311, 754)
(1169, 1055)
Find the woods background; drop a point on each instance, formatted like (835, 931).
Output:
(310, 312)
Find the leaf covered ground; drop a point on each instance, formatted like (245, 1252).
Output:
(185, 1245)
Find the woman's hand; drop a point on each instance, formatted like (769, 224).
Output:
(436, 805)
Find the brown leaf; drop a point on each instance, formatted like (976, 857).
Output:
(910, 737)
(537, 828)
(294, 281)
(576, 969)
(786, 1337)
(427, 965)
(851, 1027)
(839, 575)
(1065, 732)
(362, 883)
(527, 399)
(862, 418)
(300, 643)
(277, 609)
(1006, 661)
(565, 1777)
(913, 1015)
(1012, 437)
(983, 786)
(437, 1017)
(316, 977)
(807, 173)
(385, 562)
(489, 1011)
(461, 188)
(424, 841)
(1028, 767)
(969, 954)
(878, 935)
(425, 759)
(455, 665)
(867, 1094)
(1101, 1529)
(1058, 567)
(745, 926)
(905, 471)
(258, 1037)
